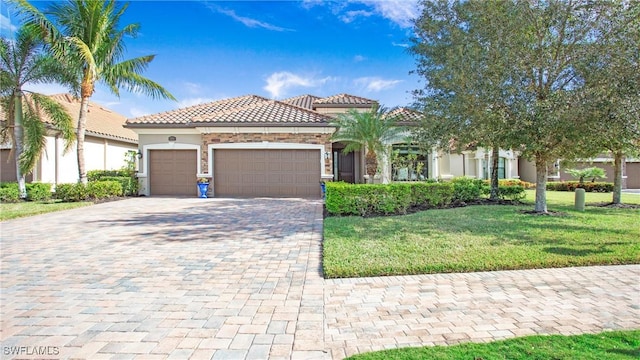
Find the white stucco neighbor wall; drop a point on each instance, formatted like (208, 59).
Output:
(57, 167)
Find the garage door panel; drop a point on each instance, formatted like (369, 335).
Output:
(280, 173)
(172, 172)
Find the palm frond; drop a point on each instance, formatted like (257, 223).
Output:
(34, 137)
(59, 117)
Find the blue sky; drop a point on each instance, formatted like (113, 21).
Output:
(210, 50)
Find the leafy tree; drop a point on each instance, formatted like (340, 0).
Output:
(23, 61)
(469, 97)
(87, 37)
(612, 94)
(374, 130)
(592, 173)
(532, 88)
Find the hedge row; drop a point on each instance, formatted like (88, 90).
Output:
(94, 190)
(387, 199)
(126, 178)
(398, 198)
(573, 185)
(9, 192)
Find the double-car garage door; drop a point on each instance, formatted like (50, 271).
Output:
(239, 172)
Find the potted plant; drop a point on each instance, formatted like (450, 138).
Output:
(203, 187)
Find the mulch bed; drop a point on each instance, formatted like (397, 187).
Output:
(615, 206)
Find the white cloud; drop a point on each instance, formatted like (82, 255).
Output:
(7, 26)
(404, 45)
(401, 12)
(46, 89)
(351, 15)
(359, 58)
(192, 88)
(279, 82)
(193, 101)
(248, 22)
(138, 112)
(375, 84)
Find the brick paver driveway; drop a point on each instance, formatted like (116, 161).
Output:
(240, 279)
(166, 278)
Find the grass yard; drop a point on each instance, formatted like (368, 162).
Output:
(608, 345)
(483, 238)
(29, 208)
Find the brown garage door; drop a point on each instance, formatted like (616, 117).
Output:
(173, 172)
(633, 175)
(276, 173)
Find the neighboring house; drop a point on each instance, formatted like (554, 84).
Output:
(106, 145)
(630, 170)
(254, 146)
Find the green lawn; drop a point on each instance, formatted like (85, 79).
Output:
(28, 208)
(623, 345)
(481, 238)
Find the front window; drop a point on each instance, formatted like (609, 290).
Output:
(486, 169)
(408, 163)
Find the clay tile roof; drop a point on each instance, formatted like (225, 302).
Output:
(244, 110)
(344, 100)
(101, 122)
(186, 115)
(406, 115)
(271, 112)
(303, 101)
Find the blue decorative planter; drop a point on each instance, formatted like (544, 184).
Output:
(323, 188)
(203, 188)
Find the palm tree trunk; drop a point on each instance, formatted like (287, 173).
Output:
(541, 185)
(18, 134)
(495, 162)
(371, 164)
(617, 177)
(82, 125)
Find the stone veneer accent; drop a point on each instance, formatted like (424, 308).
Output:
(322, 139)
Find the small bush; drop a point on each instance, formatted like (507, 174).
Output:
(129, 184)
(71, 192)
(431, 194)
(38, 191)
(512, 192)
(104, 189)
(467, 189)
(573, 185)
(9, 192)
(97, 175)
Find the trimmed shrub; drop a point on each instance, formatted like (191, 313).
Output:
(71, 192)
(512, 192)
(39, 191)
(104, 189)
(431, 194)
(9, 192)
(384, 199)
(573, 185)
(467, 189)
(97, 175)
(129, 184)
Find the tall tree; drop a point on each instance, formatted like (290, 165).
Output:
(612, 91)
(374, 130)
(469, 96)
(537, 73)
(87, 37)
(25, 60)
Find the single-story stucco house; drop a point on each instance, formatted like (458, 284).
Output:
(106, 144)
(254, 146)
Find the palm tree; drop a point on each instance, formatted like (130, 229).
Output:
(374, 130)
(86, 36)
(26, 61)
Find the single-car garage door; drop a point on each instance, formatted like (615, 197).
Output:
(275, 173)
(633, 175)
(173, 172)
